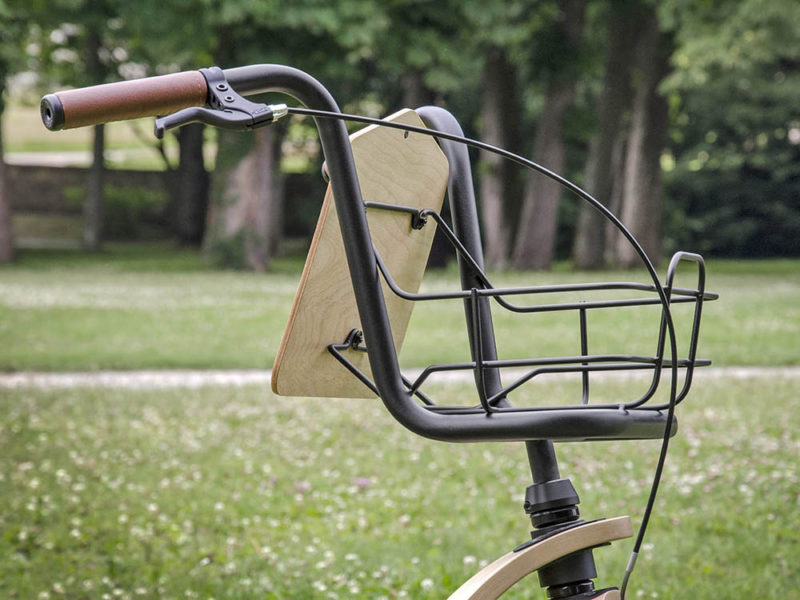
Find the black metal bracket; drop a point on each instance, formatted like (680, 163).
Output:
(419, 218)
(227, 109)
(354, 342)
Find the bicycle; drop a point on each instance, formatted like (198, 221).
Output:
(380, 245)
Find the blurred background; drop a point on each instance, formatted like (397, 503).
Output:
(682, 116)
(125, 254)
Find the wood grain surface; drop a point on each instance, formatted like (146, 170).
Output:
(493, 580)
(393, 168)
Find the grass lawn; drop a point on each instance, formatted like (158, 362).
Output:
(131, 309)
(138, 307)
(233, 493)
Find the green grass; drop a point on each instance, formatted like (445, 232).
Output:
(159, 306)
(233, 493)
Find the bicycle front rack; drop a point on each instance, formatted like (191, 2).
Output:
(492, 401)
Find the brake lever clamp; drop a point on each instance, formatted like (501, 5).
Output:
(227, 109)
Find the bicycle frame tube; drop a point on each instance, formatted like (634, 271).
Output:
(555, 424)
(463, 209)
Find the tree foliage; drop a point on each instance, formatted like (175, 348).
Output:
(735, 180)
(731, 160)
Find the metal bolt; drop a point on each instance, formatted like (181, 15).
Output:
(222, 87)
(228, 98)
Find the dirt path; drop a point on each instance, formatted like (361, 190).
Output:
(193, 379)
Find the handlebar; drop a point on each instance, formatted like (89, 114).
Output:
(146, 97)
(161, 95)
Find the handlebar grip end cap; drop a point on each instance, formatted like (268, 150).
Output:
(52, 112)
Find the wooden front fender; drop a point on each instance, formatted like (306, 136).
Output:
(493, 580)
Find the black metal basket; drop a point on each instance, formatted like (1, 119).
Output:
(488, 368)
(496, 379)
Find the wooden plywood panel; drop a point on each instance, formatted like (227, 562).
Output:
(394, 167)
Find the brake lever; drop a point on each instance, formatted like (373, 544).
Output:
(227, 109)
(227, 119)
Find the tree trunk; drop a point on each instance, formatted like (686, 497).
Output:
(615, 203)
(190, 187)
(415, 95)
(276, 187)
(641, 196)
(93, 208)
(535, 242)
(415, 92)
(590, 239)
(499, 126)
(6, 234)
(246, 212)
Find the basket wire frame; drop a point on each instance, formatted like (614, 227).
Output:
(583, 364)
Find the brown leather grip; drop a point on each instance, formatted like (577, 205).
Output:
(148, 97)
